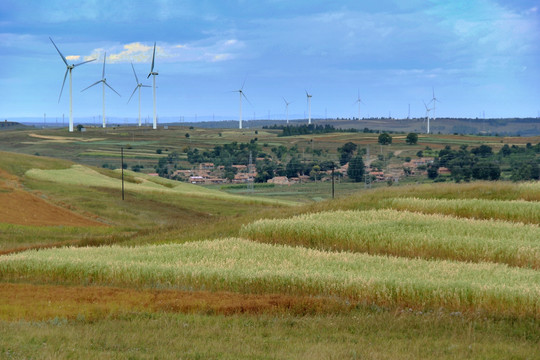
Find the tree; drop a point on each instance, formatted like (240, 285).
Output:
(385, 139)
(356, 169)
(432, 172)
(411, 139)
(346, 152)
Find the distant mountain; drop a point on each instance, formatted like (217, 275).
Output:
(13, 125)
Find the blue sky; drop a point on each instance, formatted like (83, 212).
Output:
(480, 56)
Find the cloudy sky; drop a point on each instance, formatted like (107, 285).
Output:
(480, 56)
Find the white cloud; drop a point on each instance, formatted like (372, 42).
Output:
(203, 51)
(73, 57)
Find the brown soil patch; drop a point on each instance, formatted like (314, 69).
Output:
(23, 208)
(41, 302)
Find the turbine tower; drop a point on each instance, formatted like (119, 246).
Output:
(154, 73)
(358, 101)
(69, 68)
(241, 94)
(427, 115)
(308, 96)
(139, 86)
(103, 81)
(287, 109)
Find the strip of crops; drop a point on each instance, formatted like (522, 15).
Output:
(247, 267)
(83, 176)
(408, 234)
(519, 211)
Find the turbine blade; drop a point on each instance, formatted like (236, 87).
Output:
(136, 87)
(62, 56)
(103, 73)
(63, 83)
(153, 58)
(84, 62)
(244, 95)
(146, 86)
(244, 83)
(134, 73)
(111, 88)
(97, 82)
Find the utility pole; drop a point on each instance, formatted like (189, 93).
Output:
(333, 166)
(122, 159)
(367, 177)
(250, 171)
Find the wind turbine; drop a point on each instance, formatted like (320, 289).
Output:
(103, 81)
(154, 73)
(287, 109)
(427, 115)
(308, 96)
(434, 100)
(139, 86)
(241, 94)
(358, 100)
(69, 68)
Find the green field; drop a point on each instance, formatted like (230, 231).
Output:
(406, 234)
(433, 270)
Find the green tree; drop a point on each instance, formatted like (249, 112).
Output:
(356, 169)
(412, 138)
(385, 139)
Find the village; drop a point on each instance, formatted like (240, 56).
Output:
(209, 174)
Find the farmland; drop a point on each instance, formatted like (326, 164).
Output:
(178, 270)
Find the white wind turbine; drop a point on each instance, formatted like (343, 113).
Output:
(154, 73)
(434, 100)
(287, 109)
(427, 115)
(358, 101)
(241, 94)
(69, 68)
(309, 96)
(139, 86)
(103, 81)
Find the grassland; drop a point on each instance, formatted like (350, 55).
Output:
(168, 272)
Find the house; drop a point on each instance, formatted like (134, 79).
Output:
(279, 180)
(196, 180)
(378, 175)
(206, 166)
(444, 171)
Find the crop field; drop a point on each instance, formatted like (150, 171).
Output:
(245, 267)
(406, 234)
(435, 271)
(516, 211)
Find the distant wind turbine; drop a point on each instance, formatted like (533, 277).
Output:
(154, 73)
(138, 86)
(358, 101)
(309, 96)
(434, 100)
(69, 68)
(241, 94)
(103, 81)
(287, 109)
(427, 115)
